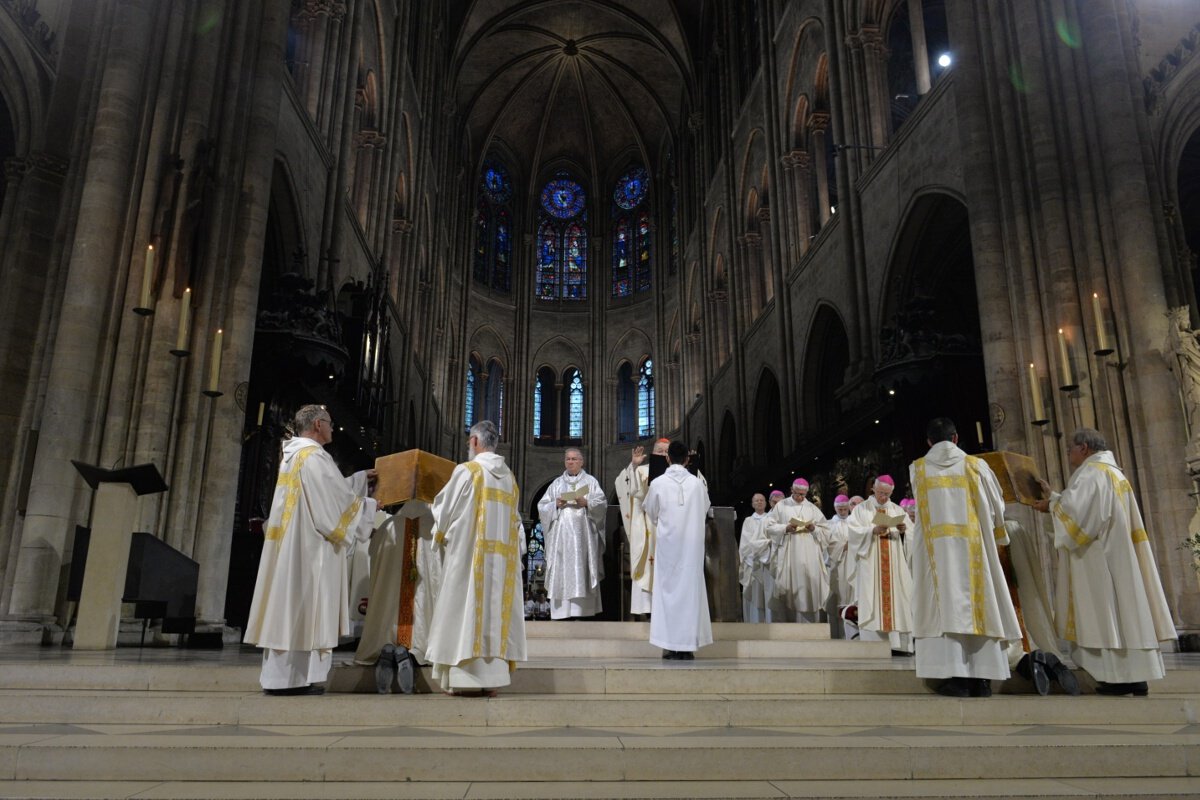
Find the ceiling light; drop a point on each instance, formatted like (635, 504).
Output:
(944, 60)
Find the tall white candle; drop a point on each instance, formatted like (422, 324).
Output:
(1101, 333)
(1035, 384)
(1067, 378)
(185, 313)
(214, 370)
(979, 431)
(261, 408)
(147, 278)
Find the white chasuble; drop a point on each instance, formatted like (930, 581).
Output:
(406, 570)
(477, 634)
(301, 597)
(960, 594)
(883, 581)
(1109, 601)
(574, 539)
(677, 505)
(801, 578)
(632, 485)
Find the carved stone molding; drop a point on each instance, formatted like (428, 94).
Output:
(369, 139)
(1170, 66)
(718, 296)
(30, 21)
(818, 120)
(15, 168)
(800, 159)
(764, 214)
(44, 163)
(695, 120)
(402, 226)
(753, 240)
(692, 337)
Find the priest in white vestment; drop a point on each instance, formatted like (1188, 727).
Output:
(301, 597)
(400, 605)
(773, 499)
(477, 635)
(883, 579)
(677, 505)
(572, 513)
(841, 576)
(756, 551)
(962, 611)
(632, 485)
(1109, 603)
(801, 578)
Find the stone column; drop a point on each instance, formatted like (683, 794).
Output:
(76, 370)
(820, 129)
(757, 279)
(216, 507)
(767, 265)
(916, 23)
(801, 166)
(791, 249)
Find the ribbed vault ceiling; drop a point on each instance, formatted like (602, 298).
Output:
(587, 81)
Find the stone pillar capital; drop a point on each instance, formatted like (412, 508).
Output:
(402, 226)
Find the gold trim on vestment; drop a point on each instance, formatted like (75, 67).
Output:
(290, 479)
(339, 533)
(971, 532)
(1073, 528)
(483, 546)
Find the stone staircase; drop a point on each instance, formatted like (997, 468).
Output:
(813, 719)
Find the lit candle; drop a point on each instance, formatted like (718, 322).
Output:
(214, 370)
(185, 312)
(1101, 334)
(147, 278)
(1035, 383)
(979, 431)
(261, 408)
(1067, 378)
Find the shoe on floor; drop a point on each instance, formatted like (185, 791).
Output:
(1138, 689)
(296, 691)
(980, 687)
(1033, 669)
(954, 687)
(385, 669)
(1060, 673)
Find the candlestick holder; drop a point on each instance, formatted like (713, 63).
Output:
(1106, 351)
(1070, 387)
(143, 312)
(180, 353)
(1039, 422)
(213, 393)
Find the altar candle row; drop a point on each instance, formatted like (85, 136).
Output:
(1066, 374)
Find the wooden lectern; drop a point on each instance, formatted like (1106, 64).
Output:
(410, 475)
(114, 511)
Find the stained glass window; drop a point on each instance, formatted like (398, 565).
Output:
(482, 214)
(575, 263)
(575, 406)
(495, 182)
(469, 398)
(631, 188)
(537, 406)
(547, 261)
(492, 259)
(645, 400)
(622, 283)
(563, 198)
(502, 270)
(642, 271)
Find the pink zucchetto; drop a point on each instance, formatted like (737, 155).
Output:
(841, 500)
(908, 502)
(776, 493)
(886, 479)
(800, 482)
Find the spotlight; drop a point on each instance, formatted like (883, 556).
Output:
(945, 60)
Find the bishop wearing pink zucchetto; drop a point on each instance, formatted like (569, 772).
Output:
(883, 584)
(801, 580)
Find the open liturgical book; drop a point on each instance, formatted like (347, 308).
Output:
(574, 494)
(884, 520)
(1018, 476)
(802, 524)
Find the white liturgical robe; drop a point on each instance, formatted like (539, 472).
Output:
(756, 551)
(1109, 603)
(405, 574)
(574, 539)
(301, 597)
(632, 485)
(883, 581)
(477, 634)
(841, 576)
(962, 610)
(801, 579)
(677, 505)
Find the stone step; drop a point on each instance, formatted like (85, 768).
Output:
(553, 647)
(561, 676)
(252, 709)
(1012, 789)
(402, 754)
(722, 631)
